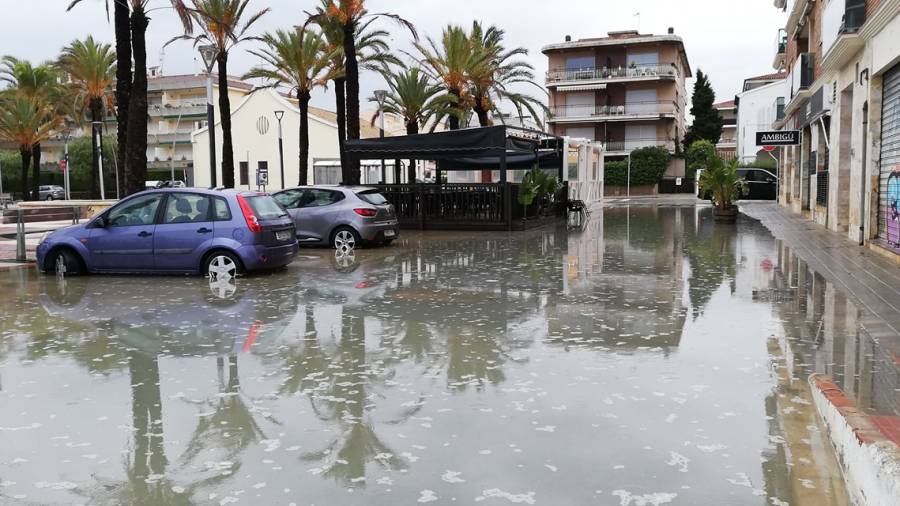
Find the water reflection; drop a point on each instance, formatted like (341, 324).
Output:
(629, 356)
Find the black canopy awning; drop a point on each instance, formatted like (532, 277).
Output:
(515, 161)
(491, 141)
(470, 142)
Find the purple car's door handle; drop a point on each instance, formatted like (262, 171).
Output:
(145, 234)
(203, 230)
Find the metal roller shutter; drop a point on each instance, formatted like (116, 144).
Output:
(889, 177)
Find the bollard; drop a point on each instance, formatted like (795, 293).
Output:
(20, 236)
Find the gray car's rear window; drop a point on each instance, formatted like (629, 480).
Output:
(265, 207)
(373, 197)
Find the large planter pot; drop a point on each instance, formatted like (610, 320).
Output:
(728, 215)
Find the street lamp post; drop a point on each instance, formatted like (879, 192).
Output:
(174, 139)
(278, 116)
(98, 126)
(68, 169)
(209, 53)
(380, 95)
(628, 178)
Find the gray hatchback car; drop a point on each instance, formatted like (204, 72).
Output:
(342, 217)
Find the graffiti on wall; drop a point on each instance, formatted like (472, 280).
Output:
(893, 209)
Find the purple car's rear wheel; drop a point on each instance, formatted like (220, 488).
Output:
(221, 266)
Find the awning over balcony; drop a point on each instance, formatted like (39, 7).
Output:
(582, 87)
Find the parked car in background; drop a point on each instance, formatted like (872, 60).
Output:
(340, 216)
(216, 232)
(51, 192)
(761, 184)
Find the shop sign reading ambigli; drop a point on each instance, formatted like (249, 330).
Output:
(778, 138)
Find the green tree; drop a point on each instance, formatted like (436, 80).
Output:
(25, 123)
(223, 24)
(497, 72)
(647, 167)
(372, 53)
(124, 77)
(297, 59)
(452, 62)
(91, 68)
(701, 155)
(39, 86)
(707, 122)
(349, 15)
(413, 96)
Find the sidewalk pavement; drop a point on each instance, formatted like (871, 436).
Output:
(867, 441)
(33, 234)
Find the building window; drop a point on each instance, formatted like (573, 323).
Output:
(245, 172)
(579, 63)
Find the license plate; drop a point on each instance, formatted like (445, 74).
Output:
(389, 233)
(283, 235)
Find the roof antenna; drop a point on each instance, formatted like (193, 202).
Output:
(162, 57)
(638, 16)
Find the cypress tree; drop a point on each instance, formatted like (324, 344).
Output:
(707, 122)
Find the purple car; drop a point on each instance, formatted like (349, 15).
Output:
(176, 230)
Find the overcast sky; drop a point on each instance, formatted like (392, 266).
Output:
(729, 39)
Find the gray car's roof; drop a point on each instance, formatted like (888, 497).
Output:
(352, 188)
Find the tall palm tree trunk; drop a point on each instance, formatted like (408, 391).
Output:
(25, 154)
(96, 107)
(123, 82)
(303, 102)
(453, 120)
(340, 102)
(351, 70)
(482, 114)
(136, 138)
(412, 128)
(225, 117)
(35, 171)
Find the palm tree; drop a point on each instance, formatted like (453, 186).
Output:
(372, 53)
(131, 23)
(38, 85)
(350, 15)
(26, 122)
(492, 79)
(415, 97)
(91, 68)
(220, 24)
(122, 25)
(297, 59)
(452, 62)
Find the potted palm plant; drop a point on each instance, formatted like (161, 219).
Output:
(722, 181)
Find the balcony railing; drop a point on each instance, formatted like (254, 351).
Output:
(175, 111)
(632, 144)
(802, 73)
(779, 108)
(634, 109)
(612, 73)
(168, 138)
(854, 16)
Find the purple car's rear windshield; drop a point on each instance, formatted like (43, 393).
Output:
(265, 207)
(373, 197)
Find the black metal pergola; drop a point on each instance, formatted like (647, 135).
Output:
(485, 206)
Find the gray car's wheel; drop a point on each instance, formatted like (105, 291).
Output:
(345, 239)
(221, 266)
(64, 262)
(49, 197)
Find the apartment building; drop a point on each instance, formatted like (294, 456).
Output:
(727, 145)
(758, 106)
(176, 106)
(626, 90)
(843, 93)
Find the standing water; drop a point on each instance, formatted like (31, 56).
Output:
(650, 358)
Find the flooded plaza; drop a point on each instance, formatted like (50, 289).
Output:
(649, 358)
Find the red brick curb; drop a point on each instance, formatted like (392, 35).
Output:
(867, 446)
